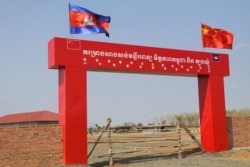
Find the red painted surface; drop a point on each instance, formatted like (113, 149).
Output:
(212, 113)
(73, 113)
(74, 58)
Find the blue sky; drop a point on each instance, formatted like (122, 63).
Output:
(28, 85)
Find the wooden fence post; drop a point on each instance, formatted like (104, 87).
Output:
(179, 141)
(110, 145)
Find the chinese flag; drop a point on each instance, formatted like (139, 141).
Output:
(216, 38)
(73, 44)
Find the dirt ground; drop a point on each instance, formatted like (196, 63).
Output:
(159, 149)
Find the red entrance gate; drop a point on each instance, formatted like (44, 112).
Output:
(73, 58)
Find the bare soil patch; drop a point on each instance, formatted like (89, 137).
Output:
(160, 149)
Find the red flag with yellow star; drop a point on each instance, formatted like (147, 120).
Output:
(216, 38)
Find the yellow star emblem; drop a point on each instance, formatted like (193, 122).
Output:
(205, 31)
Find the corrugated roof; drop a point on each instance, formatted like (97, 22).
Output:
(29, 117)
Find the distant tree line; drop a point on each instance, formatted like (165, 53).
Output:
(189, 119)
(192, 119)
(241, 112)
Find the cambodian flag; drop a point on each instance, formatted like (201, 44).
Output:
(215, 57)
(84, 21)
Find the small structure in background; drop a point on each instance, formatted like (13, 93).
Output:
(29, 119)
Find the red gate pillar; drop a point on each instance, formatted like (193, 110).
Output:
(73, 114)
(212, 113)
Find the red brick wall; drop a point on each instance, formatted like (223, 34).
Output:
(238, 131)
(37, 146)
